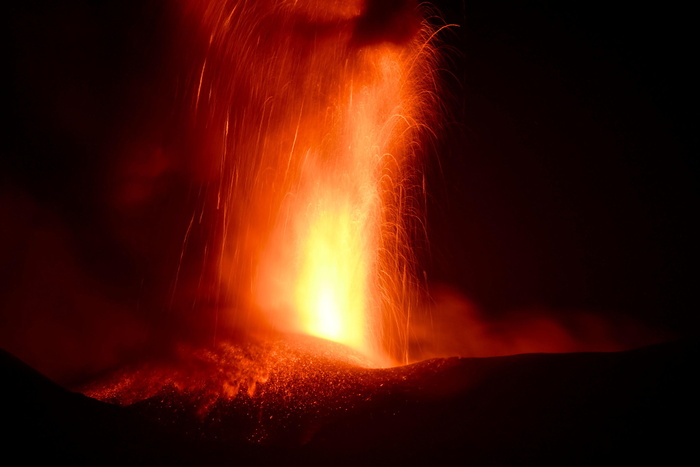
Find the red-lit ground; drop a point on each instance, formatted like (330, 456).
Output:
(534, 409)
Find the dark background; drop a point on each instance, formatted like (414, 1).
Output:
(565, 178)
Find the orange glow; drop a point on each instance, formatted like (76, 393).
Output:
(336, 258)
(331, 288)
(311, 114)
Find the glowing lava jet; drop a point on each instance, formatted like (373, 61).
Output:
(338, 261)
(315, 110)
(339, 251)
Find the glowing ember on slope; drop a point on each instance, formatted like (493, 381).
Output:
(259, 369)
(276, 392)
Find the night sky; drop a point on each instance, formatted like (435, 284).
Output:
(565, 178)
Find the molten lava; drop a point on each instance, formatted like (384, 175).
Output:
(341, 245)
(311, 118)
(332, 283)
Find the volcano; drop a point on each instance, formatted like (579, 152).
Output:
(180, 186)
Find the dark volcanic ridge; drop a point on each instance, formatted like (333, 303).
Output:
(296, 401)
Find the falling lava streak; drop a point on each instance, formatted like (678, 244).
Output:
(310, 115)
